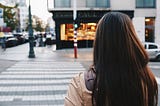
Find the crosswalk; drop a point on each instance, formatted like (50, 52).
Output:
(37, 83)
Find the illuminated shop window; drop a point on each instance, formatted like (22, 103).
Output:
(86, 31)
(149, 29)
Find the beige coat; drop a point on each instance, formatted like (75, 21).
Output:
(78, 94)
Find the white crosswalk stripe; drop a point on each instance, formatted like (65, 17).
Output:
(155, 67)
(37, 83)
(158, 80)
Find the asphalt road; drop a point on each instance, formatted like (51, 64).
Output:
(4, 64)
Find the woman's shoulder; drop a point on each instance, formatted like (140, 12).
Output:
(77, 80)
(84, 80)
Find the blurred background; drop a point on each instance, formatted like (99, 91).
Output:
(57, 17)
(44, 43)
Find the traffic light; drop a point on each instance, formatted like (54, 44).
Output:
(76, 24)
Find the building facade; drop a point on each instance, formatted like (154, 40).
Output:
(21, 13)
(23, 17)
(1, 17)
(144, 14)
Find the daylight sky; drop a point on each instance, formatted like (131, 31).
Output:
(39, 8)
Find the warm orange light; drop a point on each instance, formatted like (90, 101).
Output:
(94, 24)
(93, 28)
(147, 19)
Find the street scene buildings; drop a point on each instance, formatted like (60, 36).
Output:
(144, 13)
(43, 79)
(21, 13)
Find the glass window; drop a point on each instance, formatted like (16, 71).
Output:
(102, 3)
(62, 3)
(97, 3)
(145, 3)
(153, 47)
(139, 3)
(91, 3)
(145, 46)
(86, 31)
(149, 3)
(149, 29)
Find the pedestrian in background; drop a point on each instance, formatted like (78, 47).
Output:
(120, 75)
(2, 40)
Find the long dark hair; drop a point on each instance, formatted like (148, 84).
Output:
(120, 60)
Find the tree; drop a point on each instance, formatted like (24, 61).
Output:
(37, 24)
(9, 15)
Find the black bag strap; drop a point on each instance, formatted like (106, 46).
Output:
(89, 77)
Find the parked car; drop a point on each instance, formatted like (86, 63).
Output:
(10, 40)
(153, 50)
(20, 37)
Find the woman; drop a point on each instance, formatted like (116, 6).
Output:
(119, 75)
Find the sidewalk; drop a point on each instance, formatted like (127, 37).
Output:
(44, 54)
(48, 53)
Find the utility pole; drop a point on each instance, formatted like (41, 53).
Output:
(75, 27)
(31, 38)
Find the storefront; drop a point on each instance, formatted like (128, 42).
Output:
(149, 29)
(87, 21)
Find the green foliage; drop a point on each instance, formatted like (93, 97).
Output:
(36, 24)
(39, 26)
(9, 15)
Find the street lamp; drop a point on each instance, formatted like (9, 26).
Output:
(31, 38)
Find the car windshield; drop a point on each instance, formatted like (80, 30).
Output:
(153, 47)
